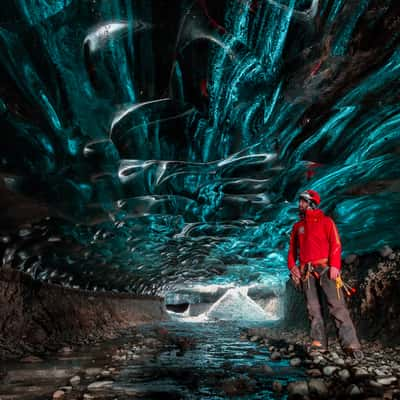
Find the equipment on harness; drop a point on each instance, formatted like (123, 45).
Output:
(348, 290)
(318, 272)
(309, 269)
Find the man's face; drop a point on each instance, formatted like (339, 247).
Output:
(303, 205)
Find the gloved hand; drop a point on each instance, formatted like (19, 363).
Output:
(333, 273)
(295, 275)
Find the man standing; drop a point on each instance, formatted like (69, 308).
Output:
(315, 242)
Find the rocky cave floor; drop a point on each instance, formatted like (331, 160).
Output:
(333, 374)
(203, 362)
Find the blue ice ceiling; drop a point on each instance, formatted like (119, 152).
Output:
(148, 143)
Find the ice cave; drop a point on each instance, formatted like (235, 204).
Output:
(154, 159)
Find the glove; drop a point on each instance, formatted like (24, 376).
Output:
(333, 273)
(295, 275)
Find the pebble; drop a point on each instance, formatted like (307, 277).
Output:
(299, 388)
(59, 394)
(379, 372)
(334, 355)
(329, 370)
(353, 390)
(277, 387)
(344, 374)
(314, 372)
(387, 380)
(87, 396)
(295, 362)
(351, 258)
(66, 388)
(267, 369)
(275, 356)
(385, 251)
(360, 372)
(75, 380)
(340, 362)
(31, 359)
(318, 359)
(66, 350)
(374, 384)
(92, 371)
(100, 385)
(318, 388)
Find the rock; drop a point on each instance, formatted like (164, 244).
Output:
(344, 374)
(340, 362)
(66, 388)
(318, 388)
(374, 384)
(353, 390)
(75, 380)
(360, 372)
(387, 380)
(59, 394)
(334, 355)
(87, 396)
(318, 359)
(267, 369)
(379, 372)
(385, 251)
(295, 362)
(299, 388)
(93, 371)
(351, 258)
(24, 232)
(254, 339)
(291, 348)
(275, 356)
(277, 387)
(237, 386)
(66, 350)
(31, 359)
(314, 372)
(100, 385)
(329, 370)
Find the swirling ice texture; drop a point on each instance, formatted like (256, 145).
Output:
(147, 144)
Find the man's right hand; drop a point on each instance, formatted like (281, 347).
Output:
(295, 275)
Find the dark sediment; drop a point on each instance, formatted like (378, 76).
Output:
(36, 316)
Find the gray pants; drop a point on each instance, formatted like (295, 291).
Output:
(313, 288)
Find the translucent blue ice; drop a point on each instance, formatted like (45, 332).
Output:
(168, 141)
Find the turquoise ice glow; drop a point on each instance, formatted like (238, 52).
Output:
(168, 141)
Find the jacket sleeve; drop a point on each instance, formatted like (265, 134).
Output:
(292, 254)
(335, 246)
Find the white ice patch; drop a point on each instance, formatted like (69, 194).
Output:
(236, 305)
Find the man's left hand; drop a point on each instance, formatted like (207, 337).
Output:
(333, 273)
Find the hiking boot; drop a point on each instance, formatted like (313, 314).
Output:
(316, 345)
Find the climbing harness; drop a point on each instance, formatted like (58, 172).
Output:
(309, 269)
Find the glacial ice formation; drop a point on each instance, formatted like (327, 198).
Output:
(148, 144)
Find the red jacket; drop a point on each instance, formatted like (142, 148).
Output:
(315, 239)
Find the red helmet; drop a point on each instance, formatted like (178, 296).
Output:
(311, 195)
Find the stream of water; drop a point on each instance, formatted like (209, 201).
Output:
(204, 360)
